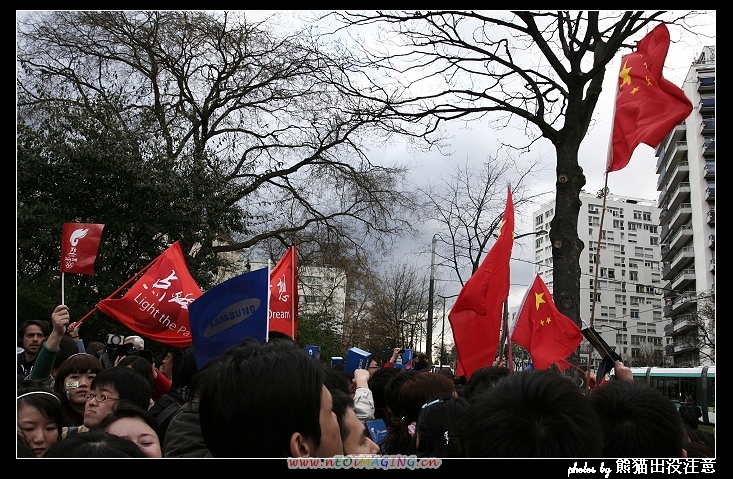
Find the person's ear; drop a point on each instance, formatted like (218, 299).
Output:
(299, 447)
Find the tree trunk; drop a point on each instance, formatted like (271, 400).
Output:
(566, 245)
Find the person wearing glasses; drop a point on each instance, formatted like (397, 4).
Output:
(109, 386)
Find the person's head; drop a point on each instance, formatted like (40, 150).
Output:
(336, 379)
(95, 347)
(483, 378)
(141, 365)
(67, 348)
(372, 366)
(182, 366)
(40, 418)
(532, 413)
(377, 384)
(235, 389)
(419, 389)
(354, 434)
(95, 443)
(413, 393)
(74, 381)
(435, 433)
(637, 421)
(394, 409)
(136, 341)
(111, 385)
(32, 334)
(420, 362)
(135, 424)
(700, 443)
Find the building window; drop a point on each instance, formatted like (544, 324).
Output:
(634, 314)
(637, 215)
(538, 220)
(647, 216)
(633, 276)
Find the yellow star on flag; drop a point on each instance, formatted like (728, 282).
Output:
(539, 299)
(624, 74)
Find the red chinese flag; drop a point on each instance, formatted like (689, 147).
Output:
(283, 314)
(156, 306)
(548, 335)
(79, 245)
(647, 105)
(476, 316)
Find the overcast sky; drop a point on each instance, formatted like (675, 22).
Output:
(637, 180)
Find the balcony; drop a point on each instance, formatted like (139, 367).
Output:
(679, 173)
(707, 105)
(712, 265)
(709, 170)
(672, 140)
(680, 238)
(683, 280)
(708, 148)
(706, 84)
(710, 193)
(711, 216)
(679, 305)
(707, 125)
(683, 258)
(711, 241)
(681, 194)
(680, 216)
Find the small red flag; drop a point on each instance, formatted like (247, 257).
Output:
(648, 106)
(283, 313)
(548, 335)
(79, 246)
(476, 316)
(156, 306)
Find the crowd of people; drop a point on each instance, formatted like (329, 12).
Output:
(273, 400)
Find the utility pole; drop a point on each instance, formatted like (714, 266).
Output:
(429, 332)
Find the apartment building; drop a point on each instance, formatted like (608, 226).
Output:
(628, 296)
(686, 182)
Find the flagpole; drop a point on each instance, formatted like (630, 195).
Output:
(293, 293)
(62, 288)
(269, 272)
(135, 277)
(597, 259)
(504, 328)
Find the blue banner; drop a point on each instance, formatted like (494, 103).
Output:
(229, 312)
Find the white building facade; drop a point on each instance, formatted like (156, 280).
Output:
(627, 296)
(686, 182)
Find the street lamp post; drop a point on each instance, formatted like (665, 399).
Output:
(431, 289)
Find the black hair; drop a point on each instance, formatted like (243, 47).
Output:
(129, 384)
(530, 414)
(94, 443)
(637, 420)
(255, 396)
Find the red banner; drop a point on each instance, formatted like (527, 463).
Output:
(79, 245)
(648, 105)
(476, 316)
(156, 306)
(548, 335)
(283, 313)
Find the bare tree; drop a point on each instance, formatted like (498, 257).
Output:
(645, 354)
(468, 207)
(259, 111)
(398, 302)
(701, 335)
(544, 69)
